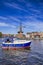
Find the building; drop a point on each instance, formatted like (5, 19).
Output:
(41, 35)
(33, 35)
(28, 35)
(20, 33)
(5, 35)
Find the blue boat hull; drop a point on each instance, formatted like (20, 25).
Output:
(16, 46)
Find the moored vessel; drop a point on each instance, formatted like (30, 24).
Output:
(16, 44)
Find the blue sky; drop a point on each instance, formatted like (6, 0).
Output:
(29, 12)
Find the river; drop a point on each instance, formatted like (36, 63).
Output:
(34, 56)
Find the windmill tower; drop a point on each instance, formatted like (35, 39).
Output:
(20, 32)
(20, 28)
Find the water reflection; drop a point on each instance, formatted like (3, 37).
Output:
(34, 56)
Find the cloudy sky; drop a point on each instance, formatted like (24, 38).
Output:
(29, 12)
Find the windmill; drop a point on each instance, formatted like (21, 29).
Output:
(20, 28)
(20, 32)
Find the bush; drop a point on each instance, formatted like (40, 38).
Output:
(0, 34)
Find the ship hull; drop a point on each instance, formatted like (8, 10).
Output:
(16, 46)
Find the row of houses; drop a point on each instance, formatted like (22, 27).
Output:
(33, 35)
(7, 35)
(29, 35)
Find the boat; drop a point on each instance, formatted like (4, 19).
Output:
(16, 44)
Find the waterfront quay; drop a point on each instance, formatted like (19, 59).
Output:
(28, 35)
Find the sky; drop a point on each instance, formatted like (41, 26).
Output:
(27, 12)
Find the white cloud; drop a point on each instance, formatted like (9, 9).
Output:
(16, 6)
(2, 24)
(14, 18)
(3, 18)
(35, 25)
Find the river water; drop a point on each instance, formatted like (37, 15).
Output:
(34, 56)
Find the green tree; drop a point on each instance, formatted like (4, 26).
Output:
(0, 34)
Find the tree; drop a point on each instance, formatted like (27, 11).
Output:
(0, 34)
